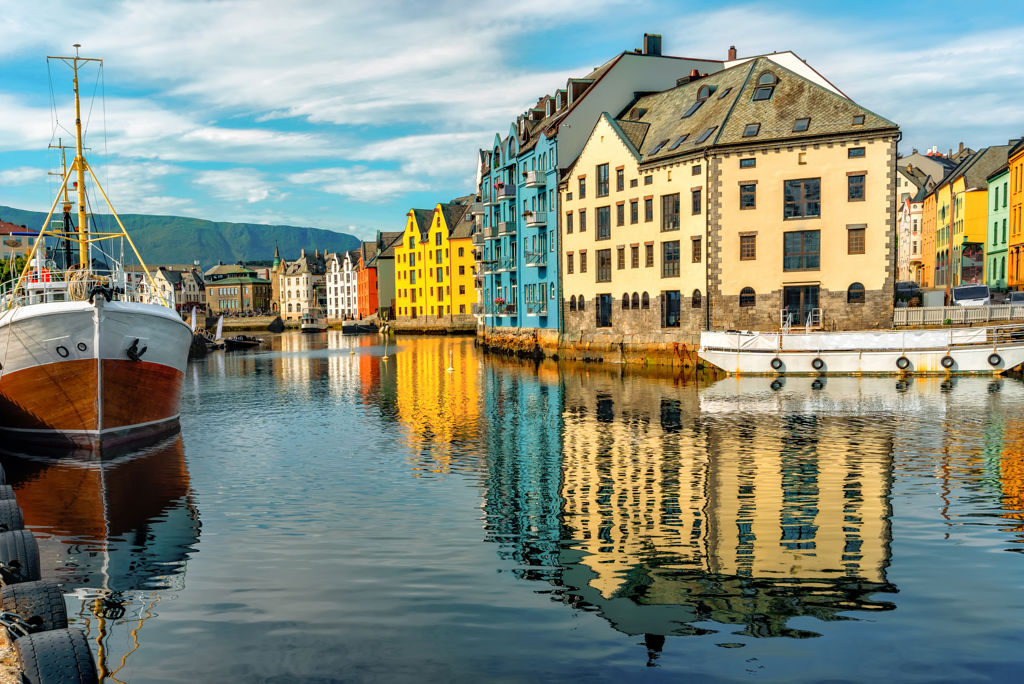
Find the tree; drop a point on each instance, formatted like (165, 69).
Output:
(6, 273)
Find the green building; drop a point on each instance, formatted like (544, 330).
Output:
(995, 245)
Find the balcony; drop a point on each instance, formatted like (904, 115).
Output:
(486, 267)
(537, 219)
(506, 228)
(538, 259)
(536, 179)
(491, 233)
(478, 239)
(507, 264)
(476, 209)
(506, 192)
(501, 309)
(537, 308)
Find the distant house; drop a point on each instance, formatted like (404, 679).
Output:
(182, 286)
(302, 285)
(382, 264)
(12, 244)
(342, 301)
(238, 294)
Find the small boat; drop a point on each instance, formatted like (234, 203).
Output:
(314, 322)
(357, 329)
(990, 350)
(241, 342)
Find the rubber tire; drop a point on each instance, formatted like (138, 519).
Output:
(3, 475)
(6, 492)
(997, 357)
(817, 363)
(776, 363)
(10, 516)
(947, 362)
(903, 363)
(39, 603)
(21, 546)
(61, 655)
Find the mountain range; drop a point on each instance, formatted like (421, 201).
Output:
(180, 240)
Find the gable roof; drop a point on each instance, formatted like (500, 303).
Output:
(422, 218)
(976, 168)
(386, 241)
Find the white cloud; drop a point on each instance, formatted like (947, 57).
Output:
(248, 185)
(22, 175)
(360, 183)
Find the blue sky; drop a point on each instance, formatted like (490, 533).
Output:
(344, 115)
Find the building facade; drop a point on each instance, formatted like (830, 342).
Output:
(383, 265)
(238, 294)
(366, 281)
(769, 202)
(341, 280)
(998, 228)
(303, 287)
(1015, 241)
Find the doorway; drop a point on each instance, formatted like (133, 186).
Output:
(800, 301)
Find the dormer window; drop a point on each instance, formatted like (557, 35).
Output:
(801, 125)
(679, 141)
(858, 120)
(725, 92)
(750, 130)
(766, 83)
(659, 146)
(702, 95)
(705, 135)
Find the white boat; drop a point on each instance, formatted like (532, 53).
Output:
(987, 350)
(87, 357)
(314, 322)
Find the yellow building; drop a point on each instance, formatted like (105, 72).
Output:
(725, 202)
(434, 265)
(1015, 247)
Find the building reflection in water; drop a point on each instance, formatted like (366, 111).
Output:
(116, 535)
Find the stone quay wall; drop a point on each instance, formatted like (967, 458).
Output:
(461, 324)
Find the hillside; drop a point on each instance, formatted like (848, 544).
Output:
(179, 240)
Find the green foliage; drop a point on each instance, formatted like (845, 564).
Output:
(179, 240)
(6, 272)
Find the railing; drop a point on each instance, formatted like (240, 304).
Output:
(507, 264)
(505, 193)
(813, 320)
(506, 228)
(536, 179)
(537, 219)
(491, 232)
(478, 239)
(539, 308)
(786, 321)
(957, 315)
(42, 286)
(500, 310)
(539, 259)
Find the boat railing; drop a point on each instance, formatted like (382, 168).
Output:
(786, 320)
(48, 285)
(813, 320)
(956, 315)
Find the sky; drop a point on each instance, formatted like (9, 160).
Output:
(344, 115)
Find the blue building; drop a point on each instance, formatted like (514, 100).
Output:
(519, 174)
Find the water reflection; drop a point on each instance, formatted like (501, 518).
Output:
(116, 535)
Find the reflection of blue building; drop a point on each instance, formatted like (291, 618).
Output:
(519, 178)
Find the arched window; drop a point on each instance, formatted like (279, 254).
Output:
(748, 297)
(702, 95)
(581, 303)
(695, 300)
(1002, 268)
(855, 294)
(766, 83)
(625, 301)
(572, 303)
(646, 299)
(636, 301)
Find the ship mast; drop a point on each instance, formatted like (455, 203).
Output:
(79, 166)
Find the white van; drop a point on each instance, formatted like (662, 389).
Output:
(971, 295)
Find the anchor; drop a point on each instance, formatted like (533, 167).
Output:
(134, 353)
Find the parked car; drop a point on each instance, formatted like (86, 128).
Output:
(971, 295)
(905, 291)
(1015, 298)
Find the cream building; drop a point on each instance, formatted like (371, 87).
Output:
(341, 283)
(749, 198)
(302, 286)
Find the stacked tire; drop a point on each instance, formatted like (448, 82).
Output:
(50, 653)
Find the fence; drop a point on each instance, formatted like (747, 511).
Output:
(956, 315)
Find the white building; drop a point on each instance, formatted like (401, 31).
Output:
(912, 186)
(302, 286)
(342, 288)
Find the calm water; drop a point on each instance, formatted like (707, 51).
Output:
(327, 515)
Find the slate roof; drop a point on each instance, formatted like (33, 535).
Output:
(244, 280)
(173, 277)
(976, 168)
(453, 214)
(423, 217)
(314, 265)
(367, 249)
(730, 107)
(1002, 169)
(386, 241)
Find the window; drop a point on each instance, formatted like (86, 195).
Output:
(855, 152)
(695, 300)
(572, 303)
(568, 262)
(705, 135)
(625, 301)
(620, 214)
(750, 130)
(583, 188)
(568, 222)
(748, 297)
(766, 83)
(604, 223)
(604, 310)
(858, 119)
(855, 294)
(801, 250)
(602, 180)
(633, 182)
(648, 209)
(748, 196)
(670, 316)
(462, 270)
(621, 258)
(583, 262)
(636, 301)
(604, 265)
(855, 239)
(580, 303)
(645, 300)
(657, 148)
(679, 141)
(634, 211)
(634, 256)
(670, 259)
(748, 247)
(620, 180)
(695, 201)
(855, 187)
(695, 250)
(648, 180)
(411, 244)
(725, 92)
(696, 170)
(801, 124)
(648, 257)
(748, 163)
(802, 198)
(670, 212)
(583, 220)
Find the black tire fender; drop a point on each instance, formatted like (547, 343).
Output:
(60, 655)
(41, 604)
(10, 516)
(19, 554)
(6, 492)
(776, 363)
(994, 359)
(903, 363)
(947, 362)
(817, 363)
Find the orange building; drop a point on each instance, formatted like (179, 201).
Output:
(366, 281)
(1015, 244)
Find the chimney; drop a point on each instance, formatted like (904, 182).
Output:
(732, 52)
(652, 44)
(302, 254)
(961, 147)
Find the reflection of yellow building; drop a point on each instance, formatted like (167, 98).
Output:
(1011, 471)
(438, 407)
(649, 482)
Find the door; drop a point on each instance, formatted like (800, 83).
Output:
(800, 301)
(604, 310)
